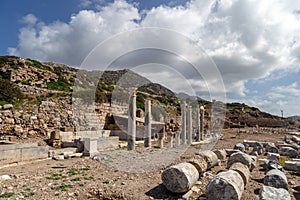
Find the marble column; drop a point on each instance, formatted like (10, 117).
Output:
(147, 140)
(131, 133)
(183, 122)
(202, 122)
(189, 125)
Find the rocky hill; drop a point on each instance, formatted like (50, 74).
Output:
(36, 98)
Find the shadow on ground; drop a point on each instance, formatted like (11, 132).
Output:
(161, 192)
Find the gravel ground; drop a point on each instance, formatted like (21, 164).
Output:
(120, 174)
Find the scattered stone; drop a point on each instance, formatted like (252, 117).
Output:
(271, 148)
(239, 146)
(210, 157)
(288, 151)
(229, 152)
(226, 185)
(221, 154)
(254, 153)
(242, 169)
(292, 165)
(180, 178)
(208, 175)
(273, 156)
(5, 177)
(276, 178)
(200, 164)
(272, 193)
(7, 106)
(296, 139)
(240, 157)
(59, 157)
(258, 147)
(271, 164)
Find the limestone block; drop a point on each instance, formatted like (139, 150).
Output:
(273, 156)
(240, 157)
(271, 148)
(258, 147)
(200, 163)
(231, 151)
(221, 154)
(276, 178)
(180, 178)
(272, 193)
(243, 170)
(210, 157)
(292, 165)
(296, 139)
(240, 146)
(226, 185)
(7, 106)
(271, 164)
(288, 151)
(90, 146)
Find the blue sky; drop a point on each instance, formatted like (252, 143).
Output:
(254, 44)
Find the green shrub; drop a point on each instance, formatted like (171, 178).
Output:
(58, 85)
(140, 105)
(7, 195)
(33, 63)
(9, 91)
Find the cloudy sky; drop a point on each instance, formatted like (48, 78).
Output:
(253, 45)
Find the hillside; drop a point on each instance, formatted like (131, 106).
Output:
(41, 94)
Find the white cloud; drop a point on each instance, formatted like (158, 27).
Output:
(29, 19)
(247, 39)
(290, 90)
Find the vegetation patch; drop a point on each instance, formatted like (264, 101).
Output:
(7, 195)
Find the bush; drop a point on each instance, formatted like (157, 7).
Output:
(9, 91)
(58, 85)
(34, 63)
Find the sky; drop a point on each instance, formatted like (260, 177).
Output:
(245, 50)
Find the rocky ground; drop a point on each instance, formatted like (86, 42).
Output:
(121, 174)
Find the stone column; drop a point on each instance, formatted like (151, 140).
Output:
(189, 125)
(131, 133)
(147, 140)
(177, 136)
(198, 119)
(183, 122)
(161, 137)
(201, 123)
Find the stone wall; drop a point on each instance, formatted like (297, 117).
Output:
(12, 153)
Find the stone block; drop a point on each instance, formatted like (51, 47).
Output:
(240, 157)
(226, 185)
(105, 143)
(34, 153)
(200, 163)
(288, 151)
(276, 178)
(180, 178)
(292, 165)
(210, 157)
(90, 146)
(273, 156)
(243, 170)
(272, 193)
(67, 136)
(221, 154)
(229, 152)
(240, 146)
